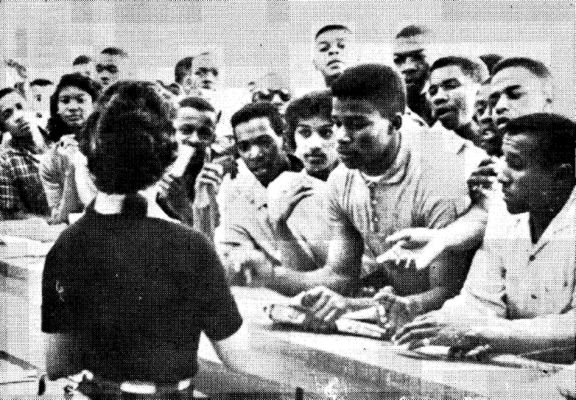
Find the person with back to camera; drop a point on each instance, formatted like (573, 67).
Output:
(126, 296)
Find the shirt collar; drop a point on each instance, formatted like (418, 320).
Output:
(397, 171)
(258, 194)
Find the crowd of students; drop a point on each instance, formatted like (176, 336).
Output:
(441, 193)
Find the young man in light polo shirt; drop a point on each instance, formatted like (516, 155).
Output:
(379, 189)
(519, 295)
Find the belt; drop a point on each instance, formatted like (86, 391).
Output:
(132, 387)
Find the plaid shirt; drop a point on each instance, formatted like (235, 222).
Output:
(20, 185)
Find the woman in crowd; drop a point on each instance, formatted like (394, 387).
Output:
(125, 295)
(63, 171)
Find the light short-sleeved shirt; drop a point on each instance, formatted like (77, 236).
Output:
(442, 152)
(309, 219)
(404, 197)
(245, 222)
(513, 278)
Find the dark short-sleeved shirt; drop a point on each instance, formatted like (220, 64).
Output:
(132, 285)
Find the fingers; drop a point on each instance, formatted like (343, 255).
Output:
(299, 196)
(415, 325)
(419, 338)
(229, 165)
(478, 353)
(404, 234)
(324, 305)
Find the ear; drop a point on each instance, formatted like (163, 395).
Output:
(396, 121)
(564, 172)
(315, 64)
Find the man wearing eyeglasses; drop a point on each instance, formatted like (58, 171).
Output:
(272, 88)
(187, 192)
(111, 66)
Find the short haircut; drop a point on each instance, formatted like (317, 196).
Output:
(412, 30)
(260, 109)
(555, 137)
(7, 90)
(314, 104)
(377, 83)
(491, 60)
(331, 27)
(534, 66)
(81, 60)
(476, 70)
(182, 68)
(197, 103)
(114, 51)
(41, 82)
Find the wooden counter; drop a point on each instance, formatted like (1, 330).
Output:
(321, 364)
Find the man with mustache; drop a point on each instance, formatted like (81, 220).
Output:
(334, 51)
(379, 188)
(519, 295)
(410, 57)
(21, 192)
(297, 200)
(454, 82)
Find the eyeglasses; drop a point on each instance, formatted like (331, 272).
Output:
(110, 68)
(268, 95)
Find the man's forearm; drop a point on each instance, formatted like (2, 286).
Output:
(431, 299)
(84, 185)
(292, 254)
(467, 232)
(525, 335)
(290, 282)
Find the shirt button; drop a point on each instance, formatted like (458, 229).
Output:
(533, 296)
(375, 219)
(532, 258)
(374, 202)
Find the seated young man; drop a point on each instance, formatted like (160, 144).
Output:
(379, 189)
(297, 203)
(519, 295)
(188, 190)
(21, 192)
(245, 236)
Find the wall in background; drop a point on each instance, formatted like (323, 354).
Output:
(254, 37)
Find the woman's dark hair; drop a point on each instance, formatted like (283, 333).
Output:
(56, 127)
(130, 138)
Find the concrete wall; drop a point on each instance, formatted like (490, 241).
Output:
(253, 37)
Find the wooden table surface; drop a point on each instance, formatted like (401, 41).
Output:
(323, 365)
